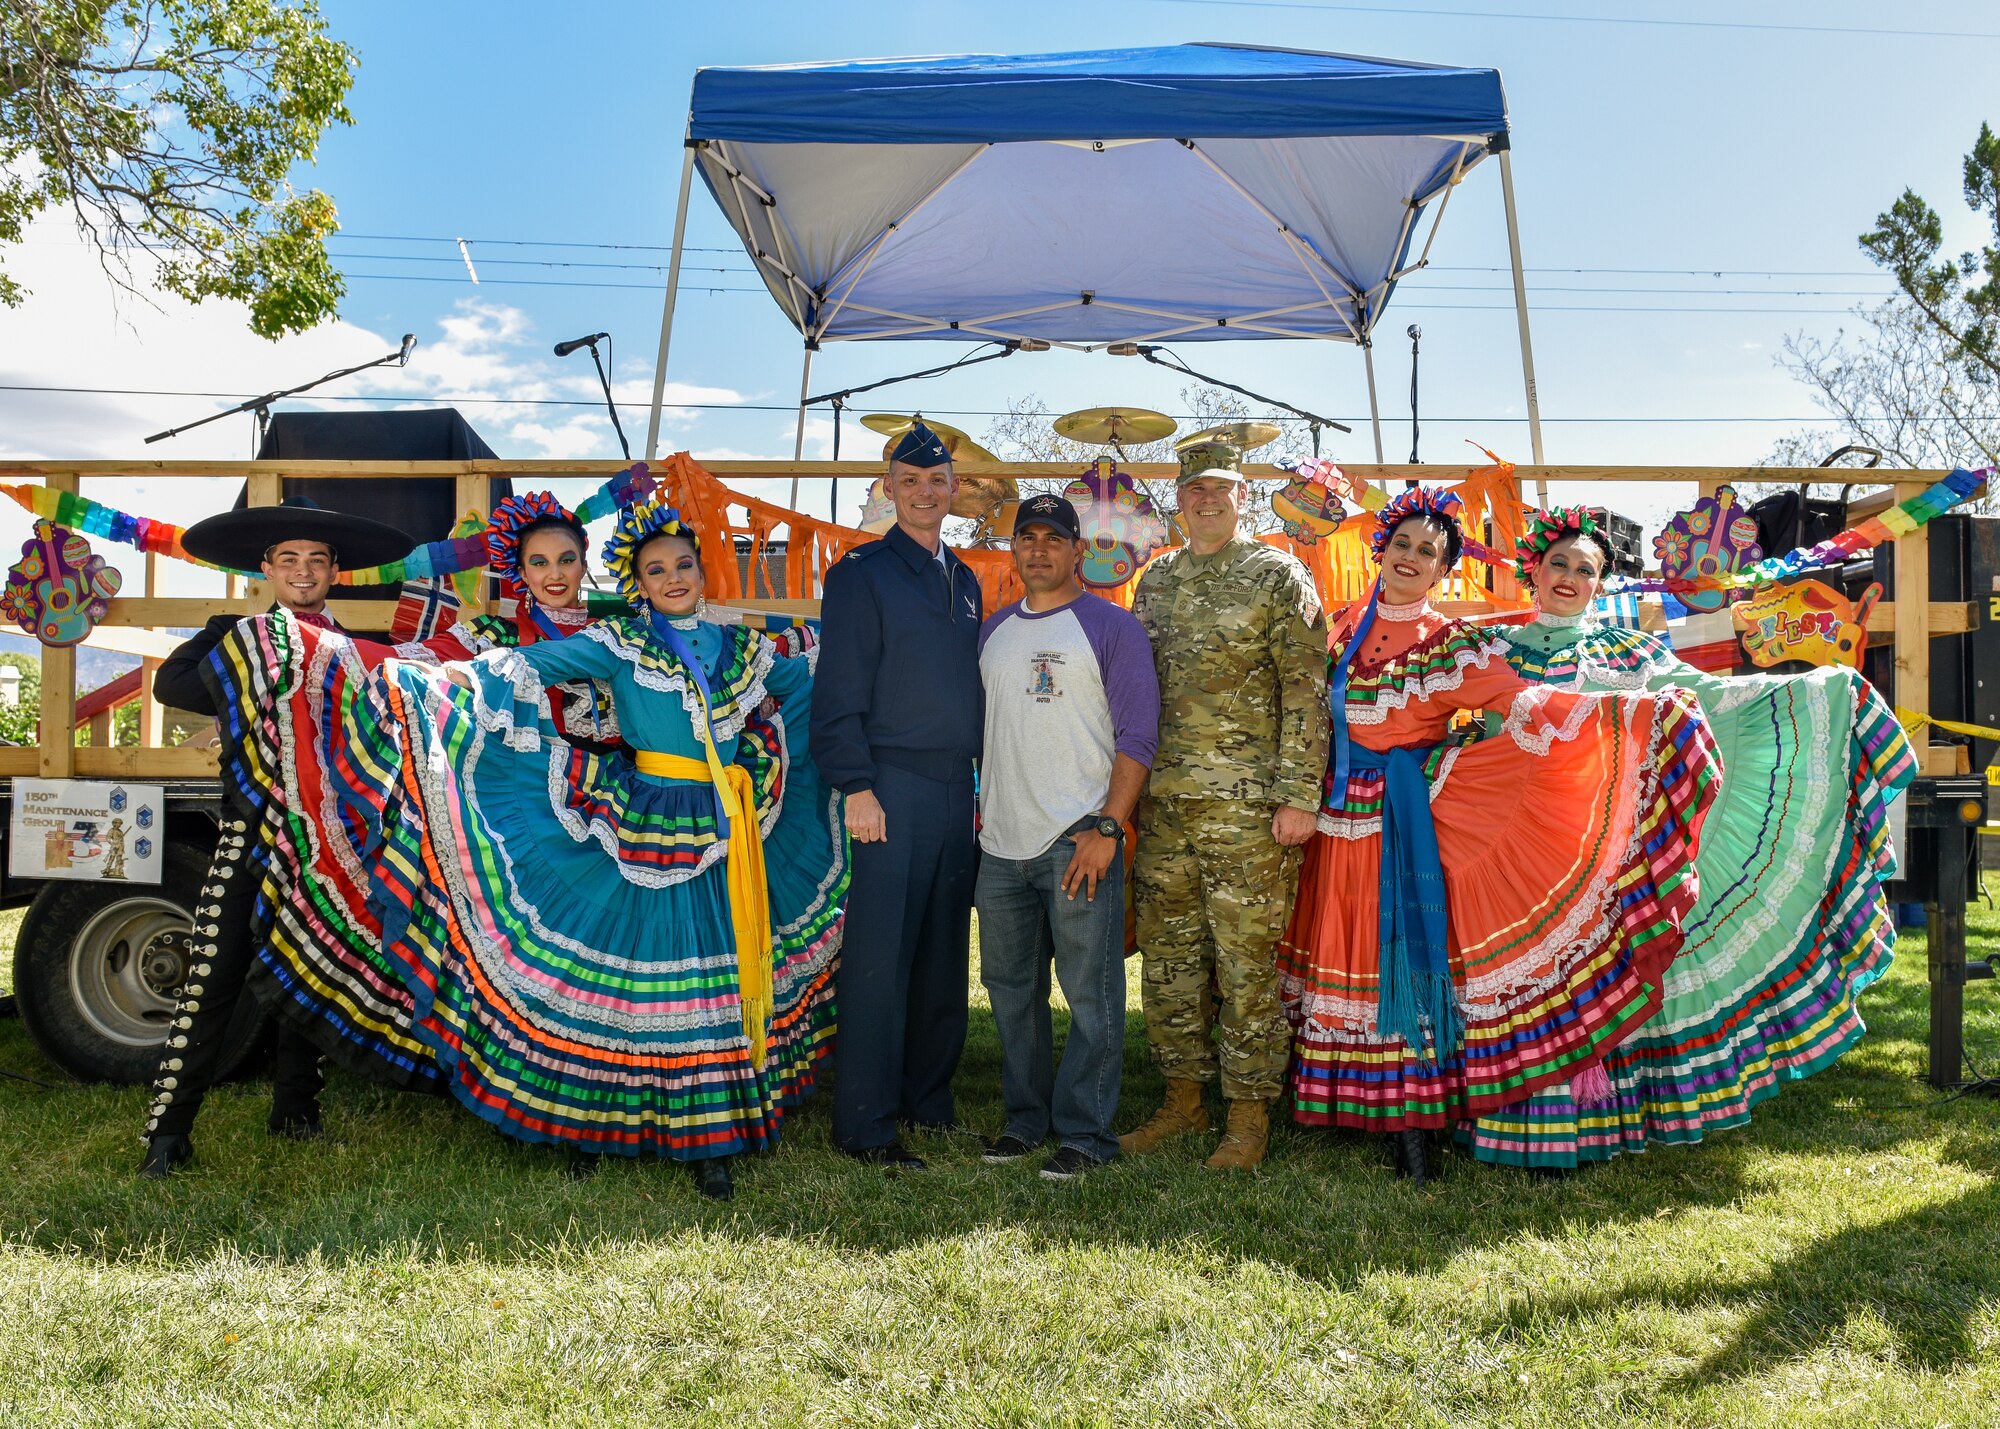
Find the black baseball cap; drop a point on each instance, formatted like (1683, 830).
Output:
(1049, 511)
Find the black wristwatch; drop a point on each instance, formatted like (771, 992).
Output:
(1110, 828)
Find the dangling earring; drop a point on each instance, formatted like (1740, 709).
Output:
(700, 606)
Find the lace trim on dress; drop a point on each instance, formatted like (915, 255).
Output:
(1386, 698)
(657, 671)
(1527, 707)
(1415, 610)
(1561, 622)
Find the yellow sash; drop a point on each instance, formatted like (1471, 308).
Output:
(749, 893)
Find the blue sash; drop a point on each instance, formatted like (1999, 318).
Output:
(678, 646)
(550, 630)
(1414, 972)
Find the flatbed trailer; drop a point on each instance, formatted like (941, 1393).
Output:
(96, 967)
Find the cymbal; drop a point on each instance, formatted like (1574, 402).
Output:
(1115, 426)
(1244, 436)
(979, 495)
(893, 425)
(961, 447)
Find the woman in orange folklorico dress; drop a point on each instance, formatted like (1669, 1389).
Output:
(1476, 921)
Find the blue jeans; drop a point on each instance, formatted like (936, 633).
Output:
(1026, 923)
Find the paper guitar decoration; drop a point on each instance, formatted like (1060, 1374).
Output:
(1805, 621)
(1716, 537)
(1121, 526)
(58, 590)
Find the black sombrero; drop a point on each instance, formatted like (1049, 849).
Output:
(239, 539)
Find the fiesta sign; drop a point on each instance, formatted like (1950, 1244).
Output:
(1806, 621)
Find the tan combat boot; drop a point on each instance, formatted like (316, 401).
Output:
(1244, 1140)
(1181, 1113)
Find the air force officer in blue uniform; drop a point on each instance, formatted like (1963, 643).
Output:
(898, 712)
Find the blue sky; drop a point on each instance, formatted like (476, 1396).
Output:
(1684, 150)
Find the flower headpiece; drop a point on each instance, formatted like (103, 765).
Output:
(636, 526)
(1545, 528)
(1432, 502)
(503, 534)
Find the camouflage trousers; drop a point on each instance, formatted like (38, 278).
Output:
(1213, 890)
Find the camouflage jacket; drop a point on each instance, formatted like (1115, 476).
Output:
(1240, 646)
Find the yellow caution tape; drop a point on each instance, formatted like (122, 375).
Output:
(1913, 721)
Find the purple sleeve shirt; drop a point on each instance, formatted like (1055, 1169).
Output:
(1067, 690)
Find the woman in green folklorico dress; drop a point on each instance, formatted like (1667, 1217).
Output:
(625, 952)
(1791, 924)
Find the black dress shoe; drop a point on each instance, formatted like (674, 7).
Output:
(895, 1156)
(711, 1178)
(164, 1156)
(1413, 1156)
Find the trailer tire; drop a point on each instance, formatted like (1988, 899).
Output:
(97, 968)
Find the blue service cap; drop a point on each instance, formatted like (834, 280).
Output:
(921, 446)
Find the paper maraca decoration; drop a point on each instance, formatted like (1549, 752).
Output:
(58, 590)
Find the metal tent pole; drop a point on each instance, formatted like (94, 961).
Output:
(667, 313)
(1374, 408)
(1521, 315)
(799, 442)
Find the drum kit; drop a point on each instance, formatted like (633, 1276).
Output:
(991, 502)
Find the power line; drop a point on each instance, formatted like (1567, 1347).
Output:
(454, 261)
(1400, 307)
(1400, 10)
(405, 397)
(1431, 267)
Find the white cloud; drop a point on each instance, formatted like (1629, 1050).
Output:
(77, 331)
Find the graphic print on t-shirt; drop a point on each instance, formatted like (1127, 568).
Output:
(1044, 665)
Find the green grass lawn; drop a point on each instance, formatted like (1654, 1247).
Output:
(1838, 1261)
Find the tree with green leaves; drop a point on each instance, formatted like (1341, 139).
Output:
(170, 128)
(1959, 297)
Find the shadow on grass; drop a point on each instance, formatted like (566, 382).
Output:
(399, 1174)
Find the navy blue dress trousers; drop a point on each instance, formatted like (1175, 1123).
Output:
(898, 710)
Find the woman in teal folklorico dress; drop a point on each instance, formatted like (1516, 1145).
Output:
(1790, 926)
(628, 952)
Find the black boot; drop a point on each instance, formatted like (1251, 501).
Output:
(711, 1178)
(164, 1156)
(1412, 1156)
(582, 1165)
(295, 1121)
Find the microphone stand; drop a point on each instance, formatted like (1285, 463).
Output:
(261, 406)
(1415, 332)
(605, 381)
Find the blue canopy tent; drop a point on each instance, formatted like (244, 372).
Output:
(1195, 192)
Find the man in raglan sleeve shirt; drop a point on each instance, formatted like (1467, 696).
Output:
(1072, 718)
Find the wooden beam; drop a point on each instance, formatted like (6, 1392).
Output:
(149, 707)
(130, 640)
(1913, 595)
(364, 616)
(474, 492)
(48, 470)
(55, 742)
(131, 762)
(1945, 617)
(19, 761)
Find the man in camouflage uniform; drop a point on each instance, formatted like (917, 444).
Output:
(1240, 647)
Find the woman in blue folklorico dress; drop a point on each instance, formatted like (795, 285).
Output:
(625, 952)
